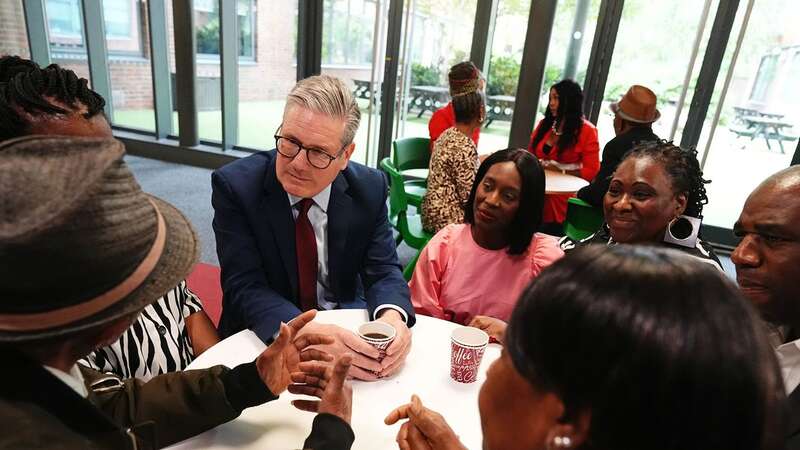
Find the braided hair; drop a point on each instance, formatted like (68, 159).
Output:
(24, 86)
(467, 100)
(570, 110)
(683, 169)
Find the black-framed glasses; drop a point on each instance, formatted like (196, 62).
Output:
(289, 148)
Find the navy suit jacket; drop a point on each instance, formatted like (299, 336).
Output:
(254, 228)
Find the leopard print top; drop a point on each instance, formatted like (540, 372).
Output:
(453, 166)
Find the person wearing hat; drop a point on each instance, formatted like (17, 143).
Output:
(461, 77)
(82, 252)
(634, 115)
(454, 162)
(174, 329)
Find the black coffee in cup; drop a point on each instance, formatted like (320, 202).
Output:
(376, 336)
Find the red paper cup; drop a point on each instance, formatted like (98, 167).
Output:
(467, 345)
(378, 334)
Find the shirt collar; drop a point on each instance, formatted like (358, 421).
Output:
(321, 200)
(73, 379)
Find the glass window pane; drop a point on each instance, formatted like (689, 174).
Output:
(653, 48)
(758, 128)
(570, 46)
(65, 25)
(131, 78)
(449, 24)
(348, 30)
(13, 36)
(265, 82)
(503, 74)
(207, 24)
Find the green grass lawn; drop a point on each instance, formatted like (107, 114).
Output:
(258, 122)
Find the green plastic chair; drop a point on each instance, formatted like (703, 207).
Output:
(411, 153)
(582, 220)
(408, 271)
(409, 226)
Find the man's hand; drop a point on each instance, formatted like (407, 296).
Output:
(279, 360)
(495, 328)
(365, 365)
(327, 384)
(425, 429)
(401, 345)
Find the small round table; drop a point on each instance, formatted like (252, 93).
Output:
(562, 183)
(277, 424)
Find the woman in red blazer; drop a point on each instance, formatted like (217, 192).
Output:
(565, 141)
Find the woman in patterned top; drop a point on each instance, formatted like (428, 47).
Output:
(455, 156)
(170, 332)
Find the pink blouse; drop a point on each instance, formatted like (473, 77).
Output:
(455, 279)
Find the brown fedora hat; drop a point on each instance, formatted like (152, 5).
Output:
(80, 243)
(637, 105)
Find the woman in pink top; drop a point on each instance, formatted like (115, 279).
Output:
(482, 266)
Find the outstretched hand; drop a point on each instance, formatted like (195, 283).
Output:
(425, 429)
(282, 357)
(328, 384)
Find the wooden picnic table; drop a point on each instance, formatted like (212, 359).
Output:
(428, 98)
(765, 127)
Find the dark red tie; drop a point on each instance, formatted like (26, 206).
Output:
(306, 244)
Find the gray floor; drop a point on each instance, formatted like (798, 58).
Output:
(189, 189)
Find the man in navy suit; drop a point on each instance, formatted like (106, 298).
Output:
(768, 269)
(302, 227)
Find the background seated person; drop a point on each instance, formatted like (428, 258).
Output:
(174, 329)
(454, 160)
(654, 184)
(564, 141)
(634, 115)
(76, 274)
(482, 266)
(623, 348)
(302, 227)
(445, 117)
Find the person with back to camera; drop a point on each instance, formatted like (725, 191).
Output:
(623, 348)
(455, 158)
(565, 142)
(173, 330)
(634, 115)
(499, 245)
(465, 72)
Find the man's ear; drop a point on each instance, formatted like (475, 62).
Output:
(346, 154)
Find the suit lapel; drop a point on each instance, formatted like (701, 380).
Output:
(339, 214)
(277, 212)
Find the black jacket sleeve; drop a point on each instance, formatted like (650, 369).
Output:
(329, 433)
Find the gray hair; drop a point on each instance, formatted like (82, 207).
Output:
(330, 96)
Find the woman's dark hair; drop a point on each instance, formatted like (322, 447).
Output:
(528, 219)
(467, 101)
(658, 347)
(683, 169)
(570, 111)
(24, 86)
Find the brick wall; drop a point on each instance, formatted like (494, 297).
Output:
(13, 36)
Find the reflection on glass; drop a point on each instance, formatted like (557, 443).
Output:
(265, 80)
(348, 30)
(757, 131)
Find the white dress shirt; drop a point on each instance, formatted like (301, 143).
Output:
(318, 216)
(789, 360)
(73, 379)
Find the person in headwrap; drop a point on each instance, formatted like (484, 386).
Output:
(461, 75)
(454, 162)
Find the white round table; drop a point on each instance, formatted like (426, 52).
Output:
(278, 425)
(562, 183)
